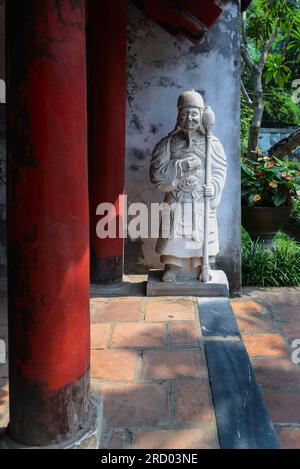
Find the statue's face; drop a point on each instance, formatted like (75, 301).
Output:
(189, 118)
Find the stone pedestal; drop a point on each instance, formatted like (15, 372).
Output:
(217, 286)
(88, 438)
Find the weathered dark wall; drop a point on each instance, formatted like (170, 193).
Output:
(2, 191)
(159, 68)
(2, 52)
(2, 43)
(2, 144)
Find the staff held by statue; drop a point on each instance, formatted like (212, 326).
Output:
(208, 121)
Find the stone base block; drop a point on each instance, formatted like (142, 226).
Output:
(88, 438)
(217, 286)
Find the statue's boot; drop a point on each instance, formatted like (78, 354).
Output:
(170, 274)
(175, 273)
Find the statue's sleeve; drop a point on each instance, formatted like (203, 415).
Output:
(218, 170)
(164, 172)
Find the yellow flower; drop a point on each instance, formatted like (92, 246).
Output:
(273, 184)
(257, 198)
(264, 158)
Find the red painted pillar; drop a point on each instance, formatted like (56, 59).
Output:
(106, 114)
(48, 238)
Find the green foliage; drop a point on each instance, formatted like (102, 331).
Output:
(293, 224)
(294, 44)
(295, 216)
(246, 118)
(246, 240)
(268, 182)
(277, 70)
(296, 210)
(263, 17)
(282, 64)
(263, 267)
(279, 107)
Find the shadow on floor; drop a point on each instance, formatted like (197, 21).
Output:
(118, 289)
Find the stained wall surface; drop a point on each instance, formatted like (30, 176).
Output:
(159, 68)
(2, 145)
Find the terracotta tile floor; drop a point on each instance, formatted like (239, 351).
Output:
(269, 320)
(148, 362)
(150, 367)
(147, 359)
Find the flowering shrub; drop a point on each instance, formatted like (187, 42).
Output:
(269, 182)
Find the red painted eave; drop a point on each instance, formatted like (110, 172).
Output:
(205, 12)
(188, 18)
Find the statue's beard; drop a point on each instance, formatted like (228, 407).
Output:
(179, 128)
(192, 125)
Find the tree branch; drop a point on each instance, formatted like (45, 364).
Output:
(286, 145)
(246, 95)
(251, 65)
(266, 48)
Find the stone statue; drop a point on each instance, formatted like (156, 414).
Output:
(189, 166)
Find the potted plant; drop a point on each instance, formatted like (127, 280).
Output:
(269, 186)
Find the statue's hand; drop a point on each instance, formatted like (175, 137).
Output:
(208, 191)
(191, 163)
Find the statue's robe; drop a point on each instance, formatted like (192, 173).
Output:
(182, 228)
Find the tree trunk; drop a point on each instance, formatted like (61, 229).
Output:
(258, 114)
(286, 145)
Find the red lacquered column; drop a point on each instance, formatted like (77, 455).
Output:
(106, 116)
(48, 236)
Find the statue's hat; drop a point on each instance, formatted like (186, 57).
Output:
(190, 99)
